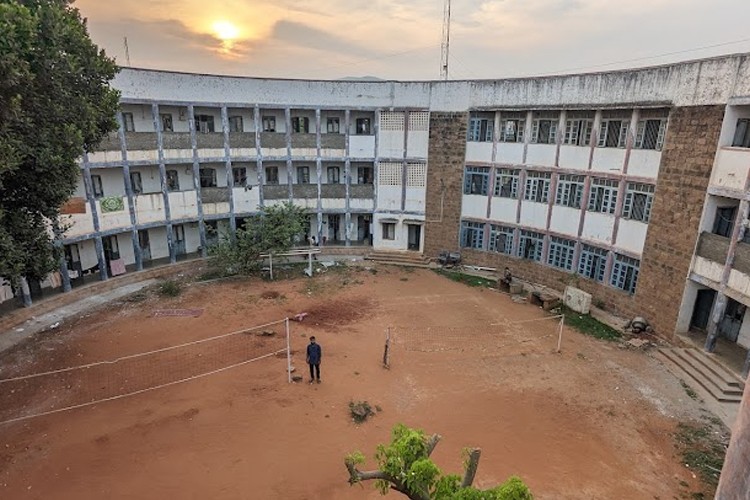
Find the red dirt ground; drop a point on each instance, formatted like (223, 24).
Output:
(592, 422)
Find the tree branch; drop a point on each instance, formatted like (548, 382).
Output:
(471, 467)
(356, 476)
(432, 442)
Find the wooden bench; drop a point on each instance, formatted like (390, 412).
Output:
(545, 300)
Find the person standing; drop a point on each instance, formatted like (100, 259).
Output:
(314, 355)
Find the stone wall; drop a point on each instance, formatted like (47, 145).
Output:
(445, 172)
(686, 163)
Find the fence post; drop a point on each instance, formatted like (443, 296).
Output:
(559, 336)
(288, 352)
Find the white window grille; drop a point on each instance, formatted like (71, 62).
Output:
(625, 273)
(530, 245)
(269, 124)
(512, 130)
(300, 124)
(506, 182)
(480, 129)
(472, 235)
(392, 120)
(649, 134)
(544, 131)
(537, 187)
(569, 190)
(127, 122)
(603, 196)
(501, 239)
(333, 126)
(419, 121)
(638, 201)
(476, 180)
(561, 253)
(416, 174)
(578, 132)
(592, 263)
(235, 124)
(613, 133)
(389, 230)
(303, 175)
(389, 174)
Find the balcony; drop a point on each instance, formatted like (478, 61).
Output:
(276, 191)
(362, 191)
(211, 140)
(333, 191)
(713, 247)
(176, 140)
(215, 194)
(301, 191)
(149, 208)
(242, 140)
(731, 168)
(273, 140)
(141, 141)
(332, 141)
(304, 141)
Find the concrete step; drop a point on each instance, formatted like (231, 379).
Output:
(707, 361)
(399, 258)
(685, 366)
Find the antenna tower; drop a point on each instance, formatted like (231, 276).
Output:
(446, 40)
(127, 50)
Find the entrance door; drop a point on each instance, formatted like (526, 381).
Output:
(334, 221)
(730, 324)
(111, 248)
(145, 244)
(704, 302)
(178, 237)
(415, 236)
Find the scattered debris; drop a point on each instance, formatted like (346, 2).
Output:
(638, 325)
(54, 325)
(518, 299)
(639, 343)
(360, 411)
(178, 312)
(296, 378)
(299, 317)
(266, 333)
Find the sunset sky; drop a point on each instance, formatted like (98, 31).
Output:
(400, 39)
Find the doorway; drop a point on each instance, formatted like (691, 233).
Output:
(178, 237)
(729, 326)
(704, 302)
(145, 243)
(334, 221)
(363, 230)
(415, 236)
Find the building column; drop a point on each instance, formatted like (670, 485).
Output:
(89, 188)
(404, 164)
(717, 312)
(375, 164)
(228, 169)
(129, 194)
(196, 185)
(289, 165)
(258, 155)
(318, 166)
(62, 263)
(163, 180)
(347, 180)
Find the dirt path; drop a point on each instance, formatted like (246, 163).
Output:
(592, 422)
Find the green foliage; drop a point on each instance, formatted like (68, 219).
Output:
(588, 325)
(55, 103)
(273, 230)
(466, 279)
(703, 446)
(406, 462)
(170, 288)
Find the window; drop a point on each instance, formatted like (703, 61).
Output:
(269, 124)
(166, 122)
(561, 253)
(334, 176)
(272, 175)
(638, 201)
(204, 124)
(363, 126)
(592, 263)
(724, 221)
(300, 125)
(364, 175)
(303, 175)
(625, 273)
(476, 180)
(333, 126)
(613, 133)
(569, 191)
(240, 176)
(537, 187)
(136, 182)
(173, 180)
(96, 185)
(506, 183)
(603, 197)
(650, 134)
(501, 239)
(531, 245)
(742, 134)
(472, 235)
(235, 124)
(389, 230)
(578, 132)
(208, 177)
(512, 130)
(480, 129)
(127, 122)
(544, 131)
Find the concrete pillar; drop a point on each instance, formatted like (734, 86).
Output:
(228, 169)
(129, 194)
(347, 179)
(196, 183)
(163, 179)
(717, 312)
(259, 155)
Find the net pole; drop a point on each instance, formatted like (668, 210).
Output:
(288, 352)
(559, 336)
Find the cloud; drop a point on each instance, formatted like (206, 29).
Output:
(304, 36)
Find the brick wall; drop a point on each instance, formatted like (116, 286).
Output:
(447, 153)
(686, 163)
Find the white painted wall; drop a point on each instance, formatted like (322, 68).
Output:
(744, 337)
(644, 163)
(479, 152)
(474, 205)
(713, 271)
(362, 146)
(389, 197)
(361, 204)
(332, 203)
(113, 182)
(709, 210)
(149, 208)
(686, 306)
(731, 168)
(576, 157)
(541, 154)
(534, 214)
(127, 252)
(183, 204)
(631, 235)
(401, 242)
(391, 144)
(246, 200)
(142, 119)
(113, 220)
(179, 114)
(87, 252)
(510, 153)
(80, 224)
(150, 179)
(565, 220)
(503, 209)
(417, 143)
(598, 227)
(415, 199)
(158, 242)
(729, 125)
(608, 160)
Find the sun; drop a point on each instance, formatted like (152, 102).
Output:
(226, 31)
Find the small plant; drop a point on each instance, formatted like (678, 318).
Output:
(360, 411)
(703, 447)
(136, 297)
(689, 390)
(466, 279)
(600, 304)
(587, 325)
(170, 288)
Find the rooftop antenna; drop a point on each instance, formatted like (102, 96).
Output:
(445, 44)
(127, 50)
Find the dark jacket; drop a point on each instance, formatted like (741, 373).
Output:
(314, 353)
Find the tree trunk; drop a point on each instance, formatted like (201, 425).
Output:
(471, 467)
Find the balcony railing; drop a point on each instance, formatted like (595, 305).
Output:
(305, 191)
(215, 195)
(211, 140)
(333, 191)
(361, 191)
(276, 191)
(306, 141)
(332, 141)
(242, 140)
(273, 140)
(713, 247)
(176, 140)
(742, 258)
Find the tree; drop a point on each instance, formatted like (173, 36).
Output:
(404, 465)
(273, 230)
(55, 103)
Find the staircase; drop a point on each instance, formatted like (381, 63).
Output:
(395, 258)
(697, 368)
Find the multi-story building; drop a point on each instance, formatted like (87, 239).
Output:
(632, 185)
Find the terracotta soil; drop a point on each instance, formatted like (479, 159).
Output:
(594, 421)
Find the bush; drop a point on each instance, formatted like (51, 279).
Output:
(170, 288)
